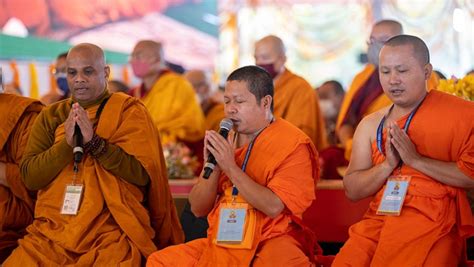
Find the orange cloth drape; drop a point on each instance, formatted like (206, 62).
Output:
(16, 203)
(295, 102)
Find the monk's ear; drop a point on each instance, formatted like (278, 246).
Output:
(428, 69)
(267, 101)
(107, 72)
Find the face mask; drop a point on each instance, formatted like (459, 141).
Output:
(61, 81)
(270, 68)
(140, 69)
(373, 53)
(327, 108)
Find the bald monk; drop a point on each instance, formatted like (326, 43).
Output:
(294, 97)
(273, 189)
(365, 94)
(435, 162)
(168, 96)
(117, 208)
(213, 110)
(16, 202)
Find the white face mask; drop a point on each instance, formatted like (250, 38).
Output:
(373, 53)
(327, 108)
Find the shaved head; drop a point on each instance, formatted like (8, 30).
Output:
(392, 27)
(200, 82)
(420, 50)
(270, 55)
(274, 43)
(152, 47)
(92, 50)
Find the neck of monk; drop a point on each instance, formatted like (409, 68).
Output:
(247, 138)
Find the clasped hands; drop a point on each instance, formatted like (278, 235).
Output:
(78, 115)
(399, 146)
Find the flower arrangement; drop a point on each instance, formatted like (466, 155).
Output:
(180, 162)
(459, 87)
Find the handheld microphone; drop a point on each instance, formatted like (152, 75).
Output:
(225, 126)
(78, 149)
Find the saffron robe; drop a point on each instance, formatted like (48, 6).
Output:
(16, 202)
(174, 108)
(435, 217)
(117, 222)
(294, 100)
(284, 160)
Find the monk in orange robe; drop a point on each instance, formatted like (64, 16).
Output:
(294, 98)
(365, 94)
(269, 167)
(16, 202)
(406, 140)
(169, 97)
(125, 210)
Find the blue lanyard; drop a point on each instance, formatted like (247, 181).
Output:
(405, 127)
(235, 191)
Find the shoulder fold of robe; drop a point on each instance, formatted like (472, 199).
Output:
(16, 202)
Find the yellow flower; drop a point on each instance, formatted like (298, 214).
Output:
(459, 87)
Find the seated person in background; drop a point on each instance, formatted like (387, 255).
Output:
(16, 202)
(116, 207)
(263, 182)
(60, 76)
(212, 109)
(331, 95)
(116, 86)
(169, 97)
(294, 98)
(403, 149)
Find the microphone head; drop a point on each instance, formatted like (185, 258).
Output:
(226, 124)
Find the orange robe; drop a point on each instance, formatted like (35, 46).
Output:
(284, 160)
(435, 217)
(379, 103)
(16, 202)
(117, 222)
(295, 102)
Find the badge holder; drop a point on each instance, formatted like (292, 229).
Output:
(394, 195)
(236, 227)
(72, 195)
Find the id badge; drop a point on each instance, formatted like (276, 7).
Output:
(72, 199)
(232, 217)
(394, 195)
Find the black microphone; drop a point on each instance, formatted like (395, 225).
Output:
(78, 149)
(225, 126)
